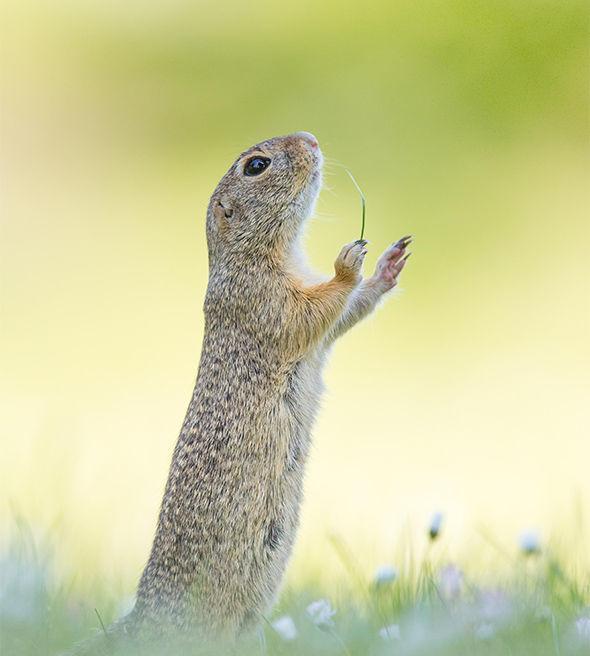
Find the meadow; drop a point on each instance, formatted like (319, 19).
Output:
(465, 123)
(536, 601)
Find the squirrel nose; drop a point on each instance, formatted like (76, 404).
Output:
(309, 137)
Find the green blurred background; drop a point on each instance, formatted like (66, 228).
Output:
(465, 122)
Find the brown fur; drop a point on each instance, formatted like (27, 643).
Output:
(230, 510)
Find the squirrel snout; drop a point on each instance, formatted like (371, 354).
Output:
(309, 137)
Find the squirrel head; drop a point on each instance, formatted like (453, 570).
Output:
(262, 201)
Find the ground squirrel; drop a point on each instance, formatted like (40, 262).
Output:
(230, 509)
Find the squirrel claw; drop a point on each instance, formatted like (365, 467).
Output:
(404, 242)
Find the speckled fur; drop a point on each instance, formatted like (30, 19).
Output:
(230, 510)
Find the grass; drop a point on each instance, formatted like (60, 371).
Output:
(363, 203)
(539, 608)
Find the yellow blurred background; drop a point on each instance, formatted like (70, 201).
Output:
(466, 124)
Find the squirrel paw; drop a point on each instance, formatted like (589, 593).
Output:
(349, 263)
(391, 263)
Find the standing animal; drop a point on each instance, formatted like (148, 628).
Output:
(230, 510)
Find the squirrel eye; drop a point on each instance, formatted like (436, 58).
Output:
(256, 165)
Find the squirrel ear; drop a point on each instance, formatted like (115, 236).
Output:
(222, 212)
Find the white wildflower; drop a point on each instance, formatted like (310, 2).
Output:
(285, 627)
(321, 613)
(583, 628)
(450, 582)
(494, 605)
(435, 525)
(384, 575)
(390, 632)
(530, 543)
(485, 631)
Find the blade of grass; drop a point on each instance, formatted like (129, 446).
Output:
(363, 202)
(101, 623)
(555, 635)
